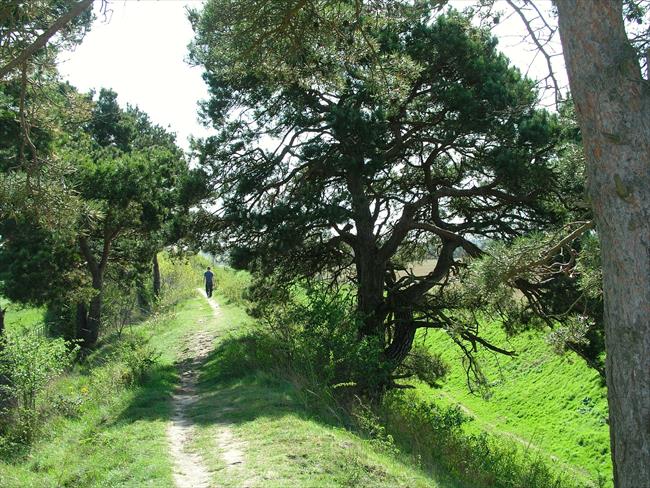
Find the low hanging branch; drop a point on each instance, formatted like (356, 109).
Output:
(549, 254)
(42, 40)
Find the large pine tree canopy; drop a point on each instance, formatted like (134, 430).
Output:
(417, 137)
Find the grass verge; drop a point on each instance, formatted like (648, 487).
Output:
(552, 406)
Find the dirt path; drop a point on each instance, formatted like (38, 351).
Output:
(190, 470)
(231, 449)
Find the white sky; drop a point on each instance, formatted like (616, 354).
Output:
(139, 50)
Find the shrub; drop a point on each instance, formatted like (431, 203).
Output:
(232, 284)
(139, 358)
(28, 362)
(319, 334)
(180, 276)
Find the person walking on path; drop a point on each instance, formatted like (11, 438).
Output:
(208, 276)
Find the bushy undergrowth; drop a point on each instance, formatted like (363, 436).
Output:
(318, 334)
(28, 362)
(180, 276)
(34, 365)
(233, 285)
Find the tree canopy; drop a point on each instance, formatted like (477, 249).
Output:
(128, 176)
(319, 178)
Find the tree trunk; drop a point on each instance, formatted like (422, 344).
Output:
(7, 399)
(94, 320)
(97, 270)
(370, 268)
(89, 319)
(156, 276)
(82, 320)
(2, 320)
(402, 340)
(613, 107)
(370, 291)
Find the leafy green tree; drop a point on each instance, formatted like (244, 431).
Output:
(34, 105)
(33, 32)
(556, 270)
(365, 177)
(129, 174)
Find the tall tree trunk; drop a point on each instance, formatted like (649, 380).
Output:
(94, 319)
(156, 276)
(7, 399)
(370, 292)
(82, 321)
(613, 106)
(370, 268)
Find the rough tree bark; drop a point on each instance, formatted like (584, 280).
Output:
(613, 106)
(370, 268)
(402, 340)
(82, 319)
(2, 320)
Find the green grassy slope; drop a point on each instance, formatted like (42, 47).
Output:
(554, 405)
(115, 436)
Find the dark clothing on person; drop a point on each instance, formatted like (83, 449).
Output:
(208, 275)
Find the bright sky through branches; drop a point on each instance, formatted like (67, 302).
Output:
(139, 49)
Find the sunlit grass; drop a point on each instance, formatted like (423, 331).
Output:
(552, 405)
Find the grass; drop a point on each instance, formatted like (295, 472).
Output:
(21, 317)
(283, 442)
(117, 436)
(553, 405)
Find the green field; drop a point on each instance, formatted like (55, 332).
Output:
(552, 405)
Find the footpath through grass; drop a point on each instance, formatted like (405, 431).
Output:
(257, 426)
(553, 405)
(108, 429)
(105, 433)
(261, 420)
